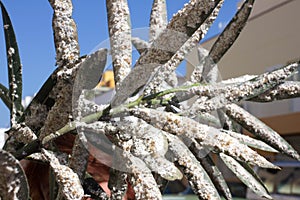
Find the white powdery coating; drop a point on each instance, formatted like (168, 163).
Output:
(65, 32)
(61, 111)
(239, 80)
(198, 178)
(180, 28)
(206, 136)
(67, 180)
(289, 89)
(249, 141)
(158, 18)
(258, 128)
(11, 178)
(245, 90)
(120, 38)
(22, 133)
(154, 141)
(141, 179)
(245, 176)
(166, 70)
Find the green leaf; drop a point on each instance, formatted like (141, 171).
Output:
(246, 177)
(4, 95)
(14, 67)
(13, 182)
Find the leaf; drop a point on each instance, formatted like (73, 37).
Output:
(245, 176)
(119, 26)
(166, 70)
(158, 19)
(67, 180)
(14, 67)
(208, 137)
(140, 44)
(198, 178)
(4, 95)
(150, 147)
(244, 91)
(180, 28)
(13, 181)
(42, 96)
(65, 34)
(212, 170)
(141, 179)
(80, 155)
(89, 72)
(286, 90)
(261, 130)
(257, 144)
(231, 32)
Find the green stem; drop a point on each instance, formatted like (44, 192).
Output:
(153, 99)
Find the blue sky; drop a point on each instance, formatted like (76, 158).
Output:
(32, 23)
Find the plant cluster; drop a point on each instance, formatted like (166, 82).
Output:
(149, 133)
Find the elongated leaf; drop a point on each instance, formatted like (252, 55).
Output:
(158, 19)
(120, 38)
(257, 144)
(67, 180)
(286, 90)
(170, 66)
(141, 179)
(261, 130)
(13, 182)
(89, 72)
(150, 147)
(244, 91)
(65, 33)
(14, 67)
(231, 32)
(4, 95)
(198, 178)
(180, 28)
(209, 137)
(212, 170)
(80, 155)
(245, 176)
(117, 184)
(254, 174)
